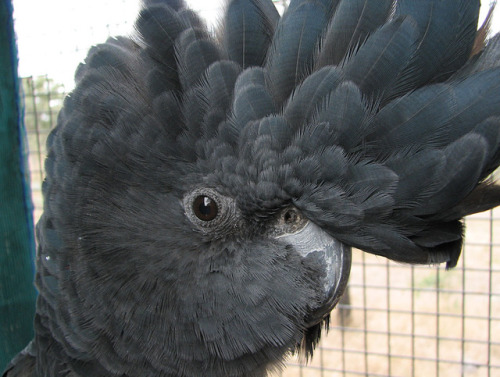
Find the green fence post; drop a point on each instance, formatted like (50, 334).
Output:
(17, 293)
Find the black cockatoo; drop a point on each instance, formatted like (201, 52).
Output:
(204, 190)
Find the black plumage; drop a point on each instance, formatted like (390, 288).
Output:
(203, 192)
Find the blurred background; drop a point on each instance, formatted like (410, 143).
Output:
(395, 320)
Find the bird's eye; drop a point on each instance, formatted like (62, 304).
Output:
(205, 208)
(210, 211)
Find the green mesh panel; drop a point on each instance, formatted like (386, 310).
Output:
(17, 294)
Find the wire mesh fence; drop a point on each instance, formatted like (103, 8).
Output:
(418, 321)
(395, 320)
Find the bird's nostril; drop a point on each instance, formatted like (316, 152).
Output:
(289, 221)
(290, 216)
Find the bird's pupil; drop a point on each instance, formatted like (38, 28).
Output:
(205, 208)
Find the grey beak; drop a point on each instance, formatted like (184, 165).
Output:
(333, 255)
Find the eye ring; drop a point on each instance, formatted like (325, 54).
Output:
(205, 208)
